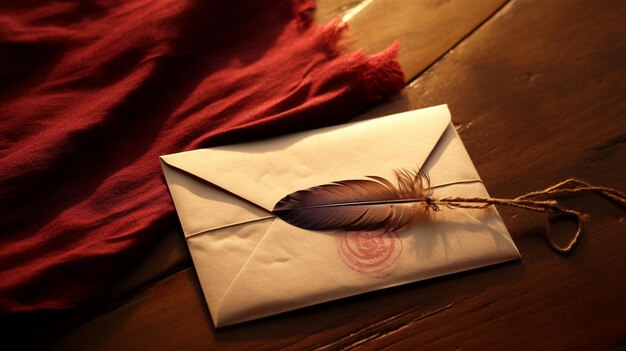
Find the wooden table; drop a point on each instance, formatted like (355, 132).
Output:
(537, 91)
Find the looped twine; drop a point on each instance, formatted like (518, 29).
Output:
(530, 202)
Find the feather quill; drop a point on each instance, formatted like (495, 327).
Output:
(361, 204)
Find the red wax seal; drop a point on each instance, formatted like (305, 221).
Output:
(370, 253)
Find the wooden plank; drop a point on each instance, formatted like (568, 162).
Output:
(426, 29)
(537, 95)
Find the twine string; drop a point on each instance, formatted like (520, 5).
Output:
(550, 207)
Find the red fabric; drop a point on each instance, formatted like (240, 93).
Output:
(92, 92)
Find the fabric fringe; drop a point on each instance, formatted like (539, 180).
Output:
(381, 72)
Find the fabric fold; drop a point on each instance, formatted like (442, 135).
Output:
(92, 94)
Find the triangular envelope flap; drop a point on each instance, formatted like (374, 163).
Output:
(265, 171)
(449, 162)
(453, 174)
(218, 258)
(202, 207)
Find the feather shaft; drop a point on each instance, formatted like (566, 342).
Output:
(359, 204)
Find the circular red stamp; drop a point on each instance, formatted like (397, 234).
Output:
(374, 254)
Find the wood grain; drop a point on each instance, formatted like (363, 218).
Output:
(426, 29)
(538, 94)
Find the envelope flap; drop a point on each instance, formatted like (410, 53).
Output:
(265, 171)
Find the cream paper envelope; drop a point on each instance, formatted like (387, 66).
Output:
(251, 264)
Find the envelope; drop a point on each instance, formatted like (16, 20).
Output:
(251, 264)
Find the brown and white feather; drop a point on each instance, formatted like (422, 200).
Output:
(361, 204)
